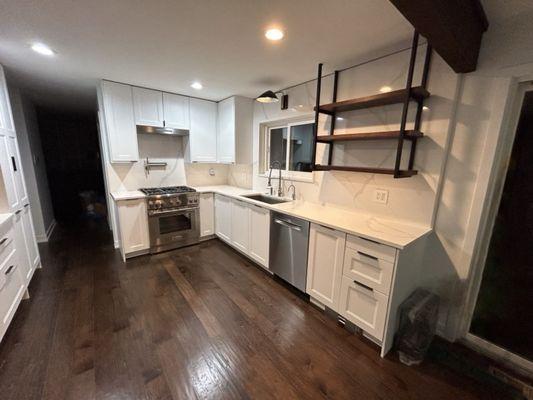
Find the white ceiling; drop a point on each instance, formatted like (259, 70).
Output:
(166, 44)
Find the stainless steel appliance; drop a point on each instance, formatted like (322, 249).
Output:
(173, 217)
(289, 241)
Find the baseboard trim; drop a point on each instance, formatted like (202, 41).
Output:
(49, 231)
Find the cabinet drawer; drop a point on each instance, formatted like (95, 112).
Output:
(367, 269)
(365, 307)
(6, 241)
(11, 290)
(370, 248)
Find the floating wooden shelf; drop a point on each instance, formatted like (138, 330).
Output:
(418, 93)
(409, 135)
(385, 171)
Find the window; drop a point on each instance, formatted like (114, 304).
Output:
(289, 147)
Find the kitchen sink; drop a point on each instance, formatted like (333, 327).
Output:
(266, 199)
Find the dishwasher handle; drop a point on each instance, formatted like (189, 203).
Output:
(288, 224)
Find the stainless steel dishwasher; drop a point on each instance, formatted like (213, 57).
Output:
(289, 240)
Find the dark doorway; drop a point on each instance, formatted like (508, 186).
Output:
(503, 313)
(72, 154)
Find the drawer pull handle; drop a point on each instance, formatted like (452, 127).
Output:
(3, 241)
(367, 255)
(364, 286)
(18, 212)
(9, 269)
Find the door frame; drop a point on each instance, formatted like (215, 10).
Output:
(492, 196)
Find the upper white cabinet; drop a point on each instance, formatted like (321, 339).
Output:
(119, 122)
(148, 106)
(207, 214)
(202, 140)
(6, 119)
(240, 225)
(234, 141)
(176, 111)
(325, 261)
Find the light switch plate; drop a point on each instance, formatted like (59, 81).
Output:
(381, 196)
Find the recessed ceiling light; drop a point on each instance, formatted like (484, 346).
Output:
(43, 49)
(385, 89)
(274, 34)
(340, 119)
(425, 108)
(197, 85)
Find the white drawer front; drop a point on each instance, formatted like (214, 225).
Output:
(374, 249)
(11, 290)
(368, 269)
(364, 307)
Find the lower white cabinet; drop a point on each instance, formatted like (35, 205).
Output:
(223, 217)
(324, 268)
(29, 234)
(12, 288)
(133, 226)
(364, 306)
(259, 234)
(240, 225)
(25, 264)
(207, 214)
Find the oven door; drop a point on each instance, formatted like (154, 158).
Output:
(172, 229)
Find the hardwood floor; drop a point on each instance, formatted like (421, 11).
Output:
(196, 323)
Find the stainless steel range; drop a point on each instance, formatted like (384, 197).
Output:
(173, 217)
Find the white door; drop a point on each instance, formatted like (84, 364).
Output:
(226, 131)
(29, 235)
(207, 214)
(240, 225)
(176, 111)
(148, 106)
(21, 244)
(16, 164)
(6, 120)
(324, 268)
(7, 165)
(120, 122)
(259, 234)
(223, 217)
(365, 307)
(133, 222)
(203, 132)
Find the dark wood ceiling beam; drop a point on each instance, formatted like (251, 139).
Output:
(453, 27)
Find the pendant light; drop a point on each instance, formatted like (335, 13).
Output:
(268, 97)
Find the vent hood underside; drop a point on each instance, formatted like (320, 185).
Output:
(158, 130)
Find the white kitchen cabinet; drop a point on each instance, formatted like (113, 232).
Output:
(133, 225)
(21, 243)
(325, 261)
(202, 139)
(119, 120)
(16, 166)
(207, 214)
(6, 119)
(176, 111)
(148, 107)
(368, 269)
(365, 307)
(223, 217)
(29, 235)
(240, 225)
(234, 137)
(12, 288)
(10, 187)
(259, 234)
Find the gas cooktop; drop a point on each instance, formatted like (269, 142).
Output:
(167, 190)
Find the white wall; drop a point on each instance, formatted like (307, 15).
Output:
(33, 163)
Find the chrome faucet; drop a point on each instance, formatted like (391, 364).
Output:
(269, 184)
(293, 191)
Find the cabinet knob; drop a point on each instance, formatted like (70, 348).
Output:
(9, 269)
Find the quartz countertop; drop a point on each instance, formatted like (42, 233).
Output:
(127, 195)
(5, 218)
(395, 233)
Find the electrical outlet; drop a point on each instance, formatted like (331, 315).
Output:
(381, 196)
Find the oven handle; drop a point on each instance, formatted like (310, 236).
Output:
(180, 211)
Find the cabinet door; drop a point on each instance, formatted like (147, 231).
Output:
(226, 131)
(240, 225)
(7, 164)
(365, 307)
(16, 165)
(120, 122)
(21, 244)
(259, 234)
(324, 269)
(207, 214)
(223, 217)
(176, 111)
(133, 222)
(148, 106)
(6, 119)
(203, 132)
(29, 235)
(11, 290)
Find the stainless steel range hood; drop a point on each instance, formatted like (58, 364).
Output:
(159, 130)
